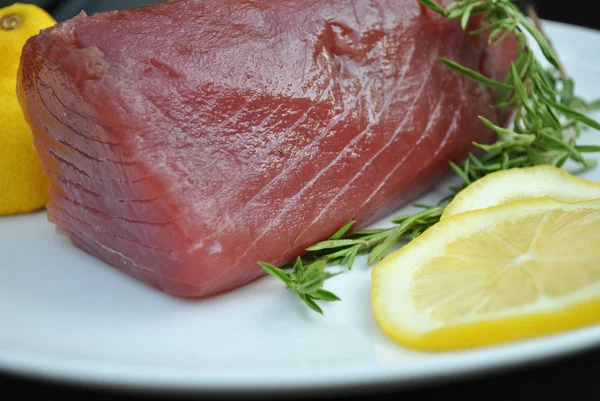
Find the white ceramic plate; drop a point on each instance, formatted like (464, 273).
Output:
(67, 316)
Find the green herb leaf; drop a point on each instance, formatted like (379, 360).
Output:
(337, 243)
(325, 295)
(311, 303)
(351, 256)
(568, 112)
(460, 172)
(593, 106)
(434, 6)
(587, 148)
(274, 271)
(474, 76)
(340, 233)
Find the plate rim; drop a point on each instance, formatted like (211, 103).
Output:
(347, 376)
(481, 361)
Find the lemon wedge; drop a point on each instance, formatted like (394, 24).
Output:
(517, 270)
(522, 183)
(23, 185)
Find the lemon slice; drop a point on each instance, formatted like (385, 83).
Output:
(522, 183)
(514, 271)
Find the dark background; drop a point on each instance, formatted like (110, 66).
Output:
(573, 378)
(575, 12)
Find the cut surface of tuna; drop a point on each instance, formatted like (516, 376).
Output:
(189, 140)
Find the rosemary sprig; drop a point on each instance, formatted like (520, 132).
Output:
(548, 119)
(306, 280)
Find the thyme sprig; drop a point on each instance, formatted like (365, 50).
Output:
(548, 119)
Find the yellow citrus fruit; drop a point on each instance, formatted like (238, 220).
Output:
(522, 183)
(518, 270)
(23, 186)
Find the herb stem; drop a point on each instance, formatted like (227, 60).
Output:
(531, 13)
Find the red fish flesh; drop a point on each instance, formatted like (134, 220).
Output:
(189, 140)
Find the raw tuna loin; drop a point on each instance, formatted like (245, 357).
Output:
(188, 140)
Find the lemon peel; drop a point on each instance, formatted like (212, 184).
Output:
(23, 186)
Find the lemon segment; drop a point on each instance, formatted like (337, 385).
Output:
(23, 186)
(517, 270)
(522, 183)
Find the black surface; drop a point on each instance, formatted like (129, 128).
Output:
(573, 12)
(572, 378)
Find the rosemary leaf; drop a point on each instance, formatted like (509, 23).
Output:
(325, 295)
(473, 75)
(593, 106)
(340, 233)
(433, 6)
(587, 148)
(311, 303)
(460, 172)
(283, 276)
(337, 243)
(568, 112)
